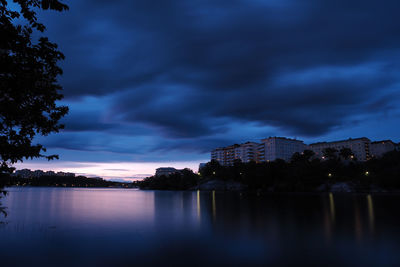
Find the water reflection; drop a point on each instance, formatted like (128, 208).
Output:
(159, 227)
(332, 207)
(371, 215)
(198, 205)
(214, 206)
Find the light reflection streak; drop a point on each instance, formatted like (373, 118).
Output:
(332, 207)
(198, 205)
(327, 224)
(371, 215)
(214, 206)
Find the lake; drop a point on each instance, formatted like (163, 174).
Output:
(119, 227)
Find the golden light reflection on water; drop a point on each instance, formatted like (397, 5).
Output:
(332, 207)
(198, 205)
(371, 215)
(214, 206)
(329, 219)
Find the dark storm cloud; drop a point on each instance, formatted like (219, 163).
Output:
(85, 121)
(189, 69)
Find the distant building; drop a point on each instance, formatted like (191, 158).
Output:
(273, 148)
(379, 148)
(26, 173)
(166, 171)
(224, 155)
(359, 146)
(245, 152)
(269, 149)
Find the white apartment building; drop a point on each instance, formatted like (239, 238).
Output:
(247, 152)
(273, 148)
(379, 148)
(270, 149)
(218, 154)
(226, 156)
(359, 146)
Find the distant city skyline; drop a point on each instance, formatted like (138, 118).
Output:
(130, 171)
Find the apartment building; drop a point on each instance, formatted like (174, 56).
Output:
(273, 148)
(269, 149)
(245, 152)
(359, 146)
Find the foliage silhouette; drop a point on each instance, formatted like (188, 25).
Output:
(182, 180)
(28, 80)
(304, 173)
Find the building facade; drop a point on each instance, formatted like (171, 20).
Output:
(273, 148)
(226, 156)
(269, 149)
(359, 146)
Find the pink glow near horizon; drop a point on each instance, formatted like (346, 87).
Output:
(108, 170)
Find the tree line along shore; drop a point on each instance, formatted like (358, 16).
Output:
(59, 181)
(338, 172)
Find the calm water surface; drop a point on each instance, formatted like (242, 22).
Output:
(119, 227)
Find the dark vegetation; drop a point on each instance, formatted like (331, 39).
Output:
(304, 173)
(182, 180)
(60, 181)
(28, 82)
(29, 90)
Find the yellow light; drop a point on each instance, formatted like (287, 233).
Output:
(214, 173)
(330, 174)
(366, 173)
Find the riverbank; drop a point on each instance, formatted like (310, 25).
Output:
(60, 181)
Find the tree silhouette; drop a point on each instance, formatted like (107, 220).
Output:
(346, 153)
(28, 82)
(330, 153)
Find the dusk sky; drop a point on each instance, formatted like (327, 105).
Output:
(161, 83)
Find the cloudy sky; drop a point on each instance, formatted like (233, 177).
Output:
(162, 82)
